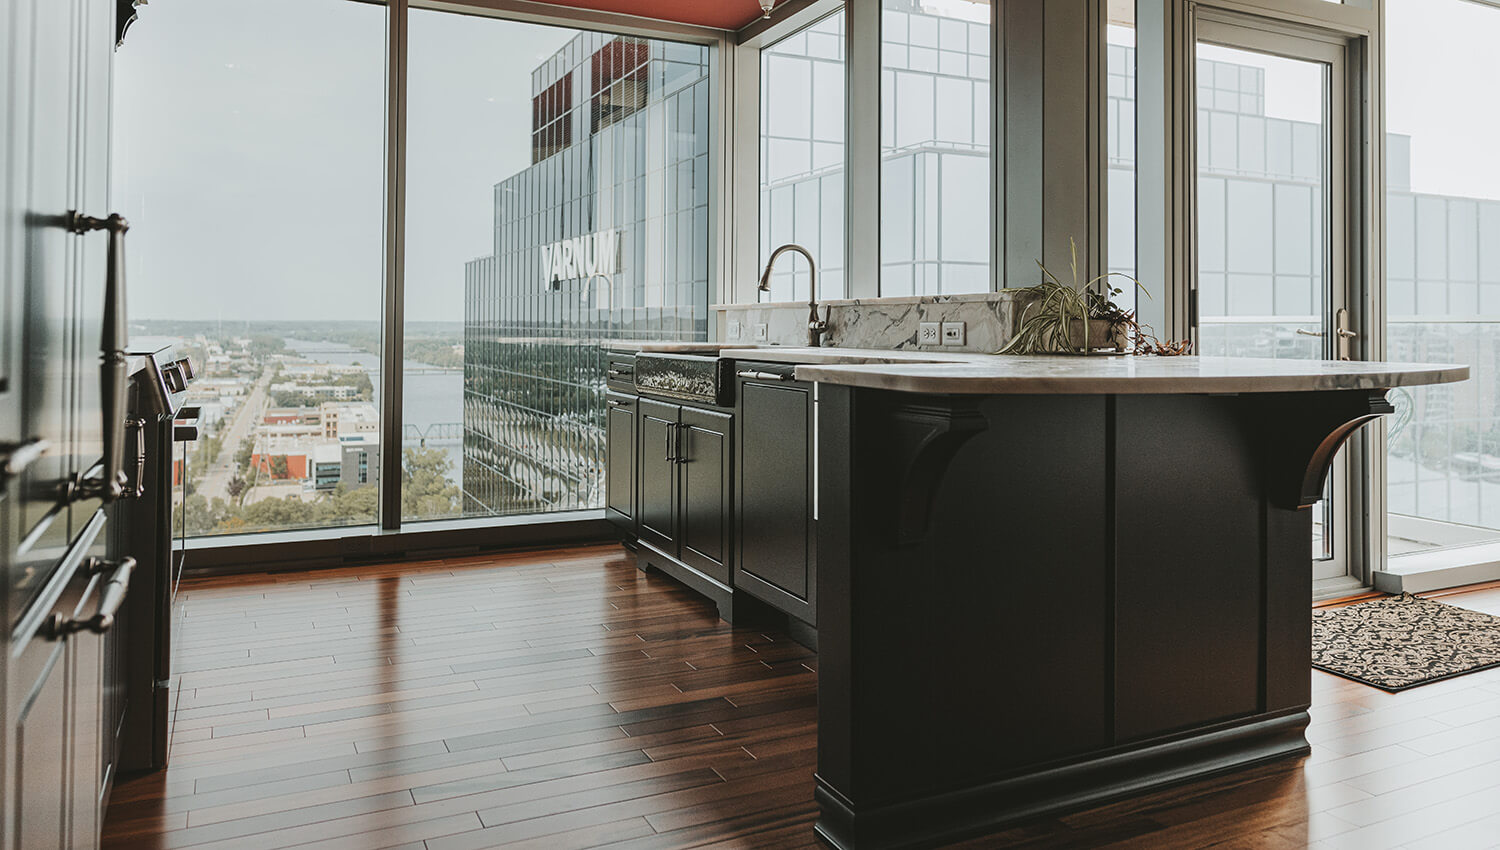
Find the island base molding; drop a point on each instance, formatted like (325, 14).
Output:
(1104, 778)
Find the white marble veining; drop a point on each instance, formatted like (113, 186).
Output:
(950, 372)
(989, 319)
(1062, 374)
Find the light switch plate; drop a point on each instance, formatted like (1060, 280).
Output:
(929, 333)
(735, 329)
(953, 333)
(762, 333)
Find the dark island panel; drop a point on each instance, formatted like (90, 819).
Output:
(1190, 561)
(1035, 603)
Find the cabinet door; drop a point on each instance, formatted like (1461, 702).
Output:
(40, 158)
(656, 443)
(52, 712)
(703, 453)
(619, 471)
(774, 506)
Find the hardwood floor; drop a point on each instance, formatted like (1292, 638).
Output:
(561, 699)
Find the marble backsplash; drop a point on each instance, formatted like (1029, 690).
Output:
(989, 319)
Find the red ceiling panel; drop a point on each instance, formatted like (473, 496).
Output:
(723, 14)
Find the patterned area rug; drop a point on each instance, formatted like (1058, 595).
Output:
(1403, 641)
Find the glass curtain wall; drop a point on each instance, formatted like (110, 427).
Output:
(249, 160)
(558, 189)
(802, 158)
(1443, 271)
(935, 206)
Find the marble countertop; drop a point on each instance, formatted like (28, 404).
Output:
(986, 374)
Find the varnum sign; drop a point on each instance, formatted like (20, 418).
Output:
(582, 256)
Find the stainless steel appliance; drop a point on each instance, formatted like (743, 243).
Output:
(162, 425)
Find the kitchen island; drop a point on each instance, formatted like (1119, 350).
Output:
(1048, 582)
(1036, 583)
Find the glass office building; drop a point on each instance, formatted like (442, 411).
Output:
(604, 236)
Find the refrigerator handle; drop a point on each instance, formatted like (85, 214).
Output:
(113, 364)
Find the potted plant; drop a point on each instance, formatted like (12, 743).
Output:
(1081, 318)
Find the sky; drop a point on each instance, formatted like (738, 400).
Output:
(249, 155)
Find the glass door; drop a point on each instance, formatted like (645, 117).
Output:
(1271, 224)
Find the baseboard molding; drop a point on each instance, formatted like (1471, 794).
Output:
(418, 541)
(1439, 569)
(982, 809)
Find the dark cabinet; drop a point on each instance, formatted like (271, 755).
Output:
(619, 468)
(683, 456)
(703, 453)
(656, 473)
(57, 694)
(775, 495)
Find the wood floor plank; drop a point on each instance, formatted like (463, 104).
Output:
(562, 699)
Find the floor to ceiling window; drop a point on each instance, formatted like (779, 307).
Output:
(248, 158)
(557, 185)
(1443, 271)
(558, 188)
(935, 132)
(802, 157)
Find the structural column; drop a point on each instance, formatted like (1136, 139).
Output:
(1052, 137)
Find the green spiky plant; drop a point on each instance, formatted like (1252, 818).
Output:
(1056, 321)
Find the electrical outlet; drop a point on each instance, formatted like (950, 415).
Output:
(762, 333)
(929, 333)
(953, 333)
(735, 330)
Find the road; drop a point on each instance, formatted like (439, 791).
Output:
(215, 483)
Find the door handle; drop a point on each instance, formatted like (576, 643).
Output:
(111, 597)
(1343, 336)
(112, 375)
(18, 456)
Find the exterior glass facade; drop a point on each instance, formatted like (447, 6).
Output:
(605, 236)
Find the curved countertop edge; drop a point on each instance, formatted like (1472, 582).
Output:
(1083, 376)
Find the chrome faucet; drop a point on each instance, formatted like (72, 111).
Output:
(816, 327)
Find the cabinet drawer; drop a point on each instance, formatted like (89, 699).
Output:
(619, 372)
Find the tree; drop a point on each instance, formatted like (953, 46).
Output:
(279, 469)
(426, 490)
(236, 487)
(242, 456)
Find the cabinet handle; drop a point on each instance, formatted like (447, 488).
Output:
(614, 402)
(670, 433)
(620, 373)
(111, 597)
(681, 456)
(111, 483)
(766, 376)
